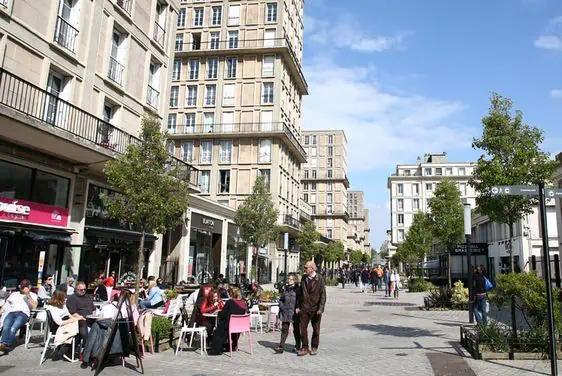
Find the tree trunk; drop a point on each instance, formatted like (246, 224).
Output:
(449, 268)
(140, 263)
(512, 268)
(257, 256)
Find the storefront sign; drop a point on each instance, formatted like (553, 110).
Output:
(202, 222)
(32, 212)
(475, 249)
(40, 267)
(96, 213)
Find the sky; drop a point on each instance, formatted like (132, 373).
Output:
(408, 77)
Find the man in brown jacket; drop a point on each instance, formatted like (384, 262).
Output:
(311, 307)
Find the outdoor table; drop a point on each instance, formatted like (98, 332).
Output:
(215, 315)
(269, 305)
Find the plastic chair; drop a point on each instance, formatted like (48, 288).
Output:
(194, 329)
(52, 328)
(239, 324)
(40, 317)
(273, 317)
(256, 315)
(113, 293)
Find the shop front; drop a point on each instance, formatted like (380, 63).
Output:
(264, 265)
(236, 255)
(205, 247)
(34, 218)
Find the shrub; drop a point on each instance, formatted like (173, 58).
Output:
(332, 282)
(270, 296)
(439, 298)
(459, 298)
(170, 294)
(420, 285)
(161, 326)
(493, 336)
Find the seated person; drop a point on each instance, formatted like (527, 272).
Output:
(210, 305)
(46, 289)
(223, 291)
(161, 285)
(83, 305)
(255, 295)
(18, 305)
(100, 293)
(235, 306)
(154, 298)
(143, 286)
(199, 297)
(59, 312)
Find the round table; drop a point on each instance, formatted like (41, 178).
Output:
(214, 315)
(269, 305)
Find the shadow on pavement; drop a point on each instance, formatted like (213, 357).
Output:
(396, 331)
(431, 318)
(390, 304)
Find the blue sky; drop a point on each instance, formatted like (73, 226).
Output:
(406, 77)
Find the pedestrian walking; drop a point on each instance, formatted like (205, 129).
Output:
(374, 280)
(342, 278)
(395, 283)
(480, 297)
(364, 279)
(287, 313)
(380, 274)
(387, 274)
(311, 307)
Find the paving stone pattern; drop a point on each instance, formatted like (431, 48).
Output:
(361, 334)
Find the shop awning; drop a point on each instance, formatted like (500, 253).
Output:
(37, 232)
(122, 234)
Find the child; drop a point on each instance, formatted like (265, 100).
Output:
(287, 315)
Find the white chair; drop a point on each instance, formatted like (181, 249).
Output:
(273, 317)
(256, 315)
(194, 329)
(39, 317)
(52, 328)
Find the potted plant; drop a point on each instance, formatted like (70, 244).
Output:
(163, 333)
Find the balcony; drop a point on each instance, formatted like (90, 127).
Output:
(65, 35)
(43, 122)
(115, 72)
(305, 210)
(332, 210)
(242, 130)
(152, 96)
(254, 46)
(323, 175)
(289, 224)
(126, 5)
(159, 34)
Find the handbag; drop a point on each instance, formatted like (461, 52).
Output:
(488, 285)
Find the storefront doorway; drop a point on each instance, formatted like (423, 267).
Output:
(205, 247)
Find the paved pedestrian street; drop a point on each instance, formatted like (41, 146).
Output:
(361, 334)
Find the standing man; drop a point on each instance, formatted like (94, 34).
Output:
(311, 307)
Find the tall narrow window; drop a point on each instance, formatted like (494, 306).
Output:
(224, 184)
(205, 181)
(179, 42)
(208, 122)
(267, 90)
(227, 121)
(160, 24)
(153, 93)
(193, 69)
(172, 123)
(231, 65)
(233, 39)
(189, 122)
(400, 189)
(206, 152)
(234, 15)
(198, 14)
(400, 219)
(271, 13)
(225, 152)
(176, 73)
(229, 96)
(187, 151)
(116, 58)
(174, 96)
(191, 97)
(330, 186)
(266, 175)
(400, 204)
(269, 38)
(217, 16)
(266, 121)
(181, 18)
(210, 95)
(329, 198)
(330, 139)
(268, 66)
(330, 162)
(265, 151)
(171, 148)
(214, 39)
(212, 67)
(66, 30)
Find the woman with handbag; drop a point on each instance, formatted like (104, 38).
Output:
(395, 283)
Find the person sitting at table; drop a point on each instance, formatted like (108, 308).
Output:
(59, 312)
(255, 295)
(46, 290)
(235, 306)
(18, 307)
(210, 305)
(143, 286)
(83, 305)
(154, 297)
(161, 285)
(196, 299)
(100, 293)
(110, 281)
(223, 290)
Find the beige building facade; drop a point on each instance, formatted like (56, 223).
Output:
(77, 77)
(235, 106)
(359, 229)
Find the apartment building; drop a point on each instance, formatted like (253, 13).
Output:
(77, 77)
(235, 105)
(325, 183)
(367, 233)
(412, 185)
(358, 221)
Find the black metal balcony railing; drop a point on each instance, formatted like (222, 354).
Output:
(241, 128)
(159, 34)
(37, 103)
(65, 34)
(126, 5)
(291, 221)
(115, 72)
(305, 215)
(152, 96)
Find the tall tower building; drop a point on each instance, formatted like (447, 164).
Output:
(358, 222)
(235, 105)
(325, 182)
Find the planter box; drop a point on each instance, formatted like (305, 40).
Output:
(493, 356)
(167, 342)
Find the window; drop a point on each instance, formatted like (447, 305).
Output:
(214, 38)
(406, 172)
(212, 67)
(400, 188)
(313, 198)
(174, 96)
(66, 30)
(306, 140)
(196, 41)
(109, 111)
(171, 148)
(329, 233)
(189, 122)
(210, 95)
(330, 151)
(428, 186)
(462, 189)
(224, 186)
(400, 235)
(400, 219)
(330, 139)
(428, 171)
(198, 14)
(449, 171)
(217, 16)
(179, 42)
(228, 93)
(330, 174)
(330, 162)
(266, 121)
(193, 69)
(266, 174)
(313, 186)
(313, 152)
(204, 181)
(314, 140)
(400, 204)
(269, 38)
(268, 66)
(234, 15)
(329, 198)
(313, 208)
(191, 98)
(206, 152)
(462, 171)
(314, 174)
(172, 123)
(187, 151)
(330, 186)
(329, 209)
(231, 65)
(265, 151)
(116, 57)
(306, 175)
(313, 162)
(225, 152)
(416, 204)
(438, 171)
(208, 122)
(271, 12)
(305, 197)
(416, 189)
(176, 72)
(227, 121)
(233, 39)
(267, 93)
(181, 18)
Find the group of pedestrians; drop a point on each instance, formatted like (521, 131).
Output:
(373, 277)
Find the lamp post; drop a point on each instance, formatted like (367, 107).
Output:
(468, 236)
(286, 250)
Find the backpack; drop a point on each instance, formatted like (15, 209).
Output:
(487, 284)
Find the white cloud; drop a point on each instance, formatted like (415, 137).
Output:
(382, 128)
(556, 93)
(344, 33)
(551, 39)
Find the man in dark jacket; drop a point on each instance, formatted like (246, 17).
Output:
(311, 307)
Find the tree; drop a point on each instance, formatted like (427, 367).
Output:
(447, 217)
(511, 156)
(152, 188)
(308, 242)
(356, 257)
(418, 241)
(257, 219)
(366, 258)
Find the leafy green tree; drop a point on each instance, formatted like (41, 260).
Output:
(418, 240)
(366, 258)
(511, 156)
(447, 217)
(257, 219)
(153, 188)
(356, 257)
(308, 242)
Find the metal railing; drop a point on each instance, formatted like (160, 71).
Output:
(115, 72)
(241, 128)
(159, 34)
(4, 3)
(323, 174)
(29, 99)
(65, 34)
(126, 5)
(290, 221)
(152, 96)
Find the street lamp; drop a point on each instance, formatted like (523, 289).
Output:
(468, 236)
(286, 251)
